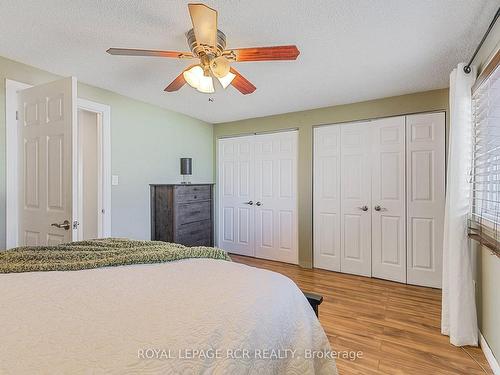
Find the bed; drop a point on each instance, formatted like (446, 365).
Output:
(191, 316)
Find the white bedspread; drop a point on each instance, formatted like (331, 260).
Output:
(161, 318)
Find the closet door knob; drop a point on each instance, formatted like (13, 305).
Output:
(363, 208)
(250, 203)
(377, 208)
(258, 204)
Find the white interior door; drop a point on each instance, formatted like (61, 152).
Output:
(47, 164)
(326, 197)
(388, 199)
(276, 221)
(236, 195)
(425, 142)
(356, 199)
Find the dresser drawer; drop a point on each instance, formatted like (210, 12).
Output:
(193, 211)
(192, 193)
(203, 242)
(195, 234)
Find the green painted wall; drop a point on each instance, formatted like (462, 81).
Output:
(488, 297)
(488, 265)
(146, 142)
(305, 120)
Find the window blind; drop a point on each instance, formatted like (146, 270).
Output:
(484, 218)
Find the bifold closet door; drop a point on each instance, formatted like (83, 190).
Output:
(257, 196)
(236, 191)
(276, 221)
(388, 199)
(425, 144)
(355, 189)
(326, 229)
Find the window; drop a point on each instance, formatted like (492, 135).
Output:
(484, 221)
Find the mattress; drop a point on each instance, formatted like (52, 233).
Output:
(193, 316)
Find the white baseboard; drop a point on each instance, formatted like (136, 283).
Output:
(489, 355)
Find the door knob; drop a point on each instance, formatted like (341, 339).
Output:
(363, 208)
(377, 208)
(249, 203)
(258, 204)
(64, 225)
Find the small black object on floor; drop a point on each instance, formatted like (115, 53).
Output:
(315, 300)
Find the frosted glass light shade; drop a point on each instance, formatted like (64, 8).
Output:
(220, 66)
(206, 85)
(227, 79)
(193, 76)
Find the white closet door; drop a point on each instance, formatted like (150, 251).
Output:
(276, 222)
(425, 142)
(235, 191)
(356, 199)
(388, 199)
(327, 197)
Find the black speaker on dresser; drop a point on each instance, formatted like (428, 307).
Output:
(182, 213)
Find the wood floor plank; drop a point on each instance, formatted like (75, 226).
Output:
(396, 326)
(478, 355)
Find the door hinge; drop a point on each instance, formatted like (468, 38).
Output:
(75, 224)
(17, 115)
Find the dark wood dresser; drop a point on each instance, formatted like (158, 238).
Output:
(182, 213)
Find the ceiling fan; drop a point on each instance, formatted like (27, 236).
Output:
(208, 44)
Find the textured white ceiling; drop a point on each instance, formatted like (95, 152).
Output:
(351, 50)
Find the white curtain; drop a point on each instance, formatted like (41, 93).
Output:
(459, 319)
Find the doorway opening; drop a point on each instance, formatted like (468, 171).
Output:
(89, 175)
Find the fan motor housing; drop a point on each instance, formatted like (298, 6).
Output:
(205, 49)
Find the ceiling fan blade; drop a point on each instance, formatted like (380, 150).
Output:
(149, 52)
(242, 84)
(204, 21)
(263, 53)
(178, 82)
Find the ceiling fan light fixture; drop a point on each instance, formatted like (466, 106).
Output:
(193, 76)
(208, 45)
(220, 66)
(227, 79)
(206, 85)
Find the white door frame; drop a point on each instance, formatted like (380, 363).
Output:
(11, 156)
(12, 182)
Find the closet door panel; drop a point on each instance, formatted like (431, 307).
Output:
(235, 190)
(425, 135)
(388, 199)
(276, 221)
(326, 199)
(355, 199)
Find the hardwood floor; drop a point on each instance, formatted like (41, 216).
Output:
(396, 326)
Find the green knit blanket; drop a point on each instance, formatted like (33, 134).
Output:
(99, 253)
